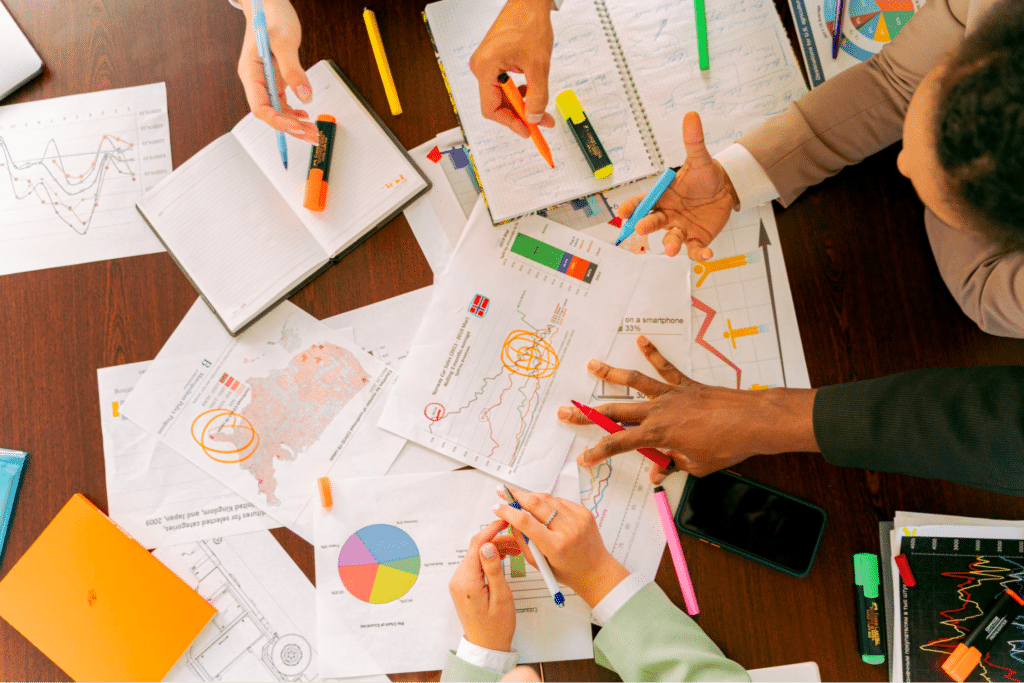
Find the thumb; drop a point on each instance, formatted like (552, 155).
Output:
(537, 90)
(490, 560)
(697, 155)
(293, 73)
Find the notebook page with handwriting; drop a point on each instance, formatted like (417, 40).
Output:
(231, 232)
(515, 178)
(754, 73)
(370, 177)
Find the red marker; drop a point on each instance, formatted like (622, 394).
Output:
(611, 426)
(903, 564)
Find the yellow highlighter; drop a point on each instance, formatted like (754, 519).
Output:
(382, 61)
(572, 111)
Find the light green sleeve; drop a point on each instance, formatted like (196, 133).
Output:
(456, 669)
(650, 639)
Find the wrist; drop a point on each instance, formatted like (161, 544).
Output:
(599, 581)
(787, 421)
(489, 642)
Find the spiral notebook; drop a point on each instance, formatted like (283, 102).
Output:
(633, 65)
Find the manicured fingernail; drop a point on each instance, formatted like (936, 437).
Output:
(659, 477)
(643, 341)
(488, 551)
(706, 254)
(500, 490)
(564, 413)
(594, 365)
(304, 93)
(497, 506)
(534, 118)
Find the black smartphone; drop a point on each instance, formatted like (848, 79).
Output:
(756, 521)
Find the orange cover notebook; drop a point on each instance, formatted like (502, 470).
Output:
(97, 603)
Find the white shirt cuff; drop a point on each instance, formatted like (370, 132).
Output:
(236, 3)
(752, 184)
(617, 597)
(495, 660)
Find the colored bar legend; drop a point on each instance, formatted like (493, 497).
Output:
(554, 258)
(517, 566)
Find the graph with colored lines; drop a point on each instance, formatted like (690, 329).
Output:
(956, 580)
(71, 170)
(745, 330)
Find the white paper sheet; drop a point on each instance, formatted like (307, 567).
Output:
(515, 177)
(506, 341)
(269, 411)
(265, 626)
(411, 623)
(386, 331)
(71, 169)
(156, 495)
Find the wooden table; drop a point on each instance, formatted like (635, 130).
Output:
(868, 296)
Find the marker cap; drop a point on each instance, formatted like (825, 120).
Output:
(961, 663)
(865, 573)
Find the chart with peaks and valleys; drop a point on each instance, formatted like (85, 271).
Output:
(71, 170)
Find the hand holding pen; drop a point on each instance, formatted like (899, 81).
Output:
(570, 542)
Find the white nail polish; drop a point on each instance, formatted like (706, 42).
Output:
(534, 118)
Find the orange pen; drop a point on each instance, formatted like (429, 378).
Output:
(516, 98)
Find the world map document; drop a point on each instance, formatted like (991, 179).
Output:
(270, 411)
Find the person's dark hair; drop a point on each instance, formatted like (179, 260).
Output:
(980, 123)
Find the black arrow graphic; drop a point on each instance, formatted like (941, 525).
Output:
(763, 242)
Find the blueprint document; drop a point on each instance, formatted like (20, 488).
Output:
(384, 556)
(267, 412)
(154, 494)
(512, 323)
(265, 627)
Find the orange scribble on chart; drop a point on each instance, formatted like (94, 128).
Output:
(526, 354)
(218, 421)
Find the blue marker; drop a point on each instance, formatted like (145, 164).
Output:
(542, 562)
(12, 466)
(259, 24)
(648, 202)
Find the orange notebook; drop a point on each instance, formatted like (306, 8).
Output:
(97, 603)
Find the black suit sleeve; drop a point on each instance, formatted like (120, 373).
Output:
(965, 425)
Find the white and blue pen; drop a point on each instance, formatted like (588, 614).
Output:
(645, 206)
(259, 24)
(542, 563)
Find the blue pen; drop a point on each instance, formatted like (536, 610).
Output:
(259, 24)
(542, 562)
(648, 202)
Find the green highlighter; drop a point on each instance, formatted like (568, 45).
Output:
(870, 634)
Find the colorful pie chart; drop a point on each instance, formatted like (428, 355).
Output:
(379, 563)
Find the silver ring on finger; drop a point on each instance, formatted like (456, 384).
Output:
(551, 517)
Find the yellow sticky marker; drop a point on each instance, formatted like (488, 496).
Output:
(325, 492)
(382, 61)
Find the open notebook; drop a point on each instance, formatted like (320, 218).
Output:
(633, 65)
(232, 216)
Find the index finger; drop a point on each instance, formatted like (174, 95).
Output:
(614, 444)
(495, 107)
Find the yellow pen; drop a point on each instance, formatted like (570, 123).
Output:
(382, 61)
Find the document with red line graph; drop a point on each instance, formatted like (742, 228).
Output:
(512, 323)
(268, 412)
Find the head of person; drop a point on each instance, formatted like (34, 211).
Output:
(963, 136)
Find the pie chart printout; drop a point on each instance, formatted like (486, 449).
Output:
(379, 563)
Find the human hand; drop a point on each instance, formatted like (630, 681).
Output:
(486, 610)
(571, 543)
(696, 205)
(702, 428)
(285, 34)
(520, 40)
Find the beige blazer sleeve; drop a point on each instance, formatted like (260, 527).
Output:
(859, 111)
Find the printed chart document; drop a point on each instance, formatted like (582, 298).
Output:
(384, 556)
(385, 330)
(511, 326)
(268, 412)
(232, 215)
(155, 494)
(71, 170)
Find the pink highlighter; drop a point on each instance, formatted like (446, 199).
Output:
(676, 550)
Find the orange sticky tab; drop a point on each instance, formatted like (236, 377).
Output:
(325, 492)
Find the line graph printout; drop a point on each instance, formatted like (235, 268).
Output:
(267, 412)
(155, 494)
(512, 323)
(71, 170)
(384, 555)
(956, 580)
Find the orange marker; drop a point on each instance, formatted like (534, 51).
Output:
(325, 492)
(320, 164)
(516, 98)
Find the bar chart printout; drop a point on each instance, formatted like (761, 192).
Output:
(555, 258)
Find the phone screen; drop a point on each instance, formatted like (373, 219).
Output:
(728, 509)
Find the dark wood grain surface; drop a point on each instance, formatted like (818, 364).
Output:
(868, 297)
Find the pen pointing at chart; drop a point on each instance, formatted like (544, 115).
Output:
(538, 558)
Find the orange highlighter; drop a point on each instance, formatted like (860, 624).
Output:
(320, 164)
(516, 98)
